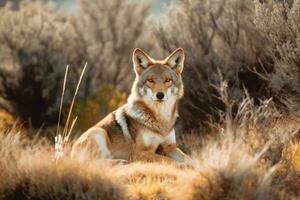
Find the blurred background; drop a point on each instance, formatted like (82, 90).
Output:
(252, 45)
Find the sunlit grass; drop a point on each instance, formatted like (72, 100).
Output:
(225, 168)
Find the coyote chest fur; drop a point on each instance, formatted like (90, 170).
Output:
(145, 124)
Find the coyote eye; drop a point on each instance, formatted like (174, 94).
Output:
(150, 80)
(167, 80)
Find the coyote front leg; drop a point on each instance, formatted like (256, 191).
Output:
(146, 145)
(171, 150)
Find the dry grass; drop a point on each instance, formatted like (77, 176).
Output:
(33, 174)
(251, 155)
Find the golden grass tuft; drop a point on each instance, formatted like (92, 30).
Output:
(29, 171)
(152, 180)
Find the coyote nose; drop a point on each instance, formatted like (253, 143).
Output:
(160, 95)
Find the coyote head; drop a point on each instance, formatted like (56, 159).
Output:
(158, 80)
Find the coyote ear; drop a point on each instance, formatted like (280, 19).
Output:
(176, 60)
(140, 60)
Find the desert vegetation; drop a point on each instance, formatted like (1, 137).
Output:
(239, 119)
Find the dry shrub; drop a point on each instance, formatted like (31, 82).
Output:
(110, 30)
(37, 42)
(279, 22)
(253, 44)
(96, 106)
(36, 45)
(217, 36)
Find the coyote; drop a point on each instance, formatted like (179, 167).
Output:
(143, 128)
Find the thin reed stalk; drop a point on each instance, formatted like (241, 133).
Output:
(62, 99)
(73, 101)
(62, 139)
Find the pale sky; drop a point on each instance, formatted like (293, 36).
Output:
(157, 6)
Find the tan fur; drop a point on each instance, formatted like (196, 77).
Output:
(145, 124)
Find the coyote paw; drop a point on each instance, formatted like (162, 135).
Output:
(118, 162)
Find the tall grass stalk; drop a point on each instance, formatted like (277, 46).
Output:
(62, 139)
